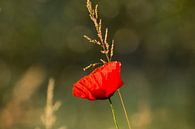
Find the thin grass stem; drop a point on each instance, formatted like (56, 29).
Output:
(124, 108)
(113, 114)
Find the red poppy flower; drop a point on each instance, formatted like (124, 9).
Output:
(100, 83)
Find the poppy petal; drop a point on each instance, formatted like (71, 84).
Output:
(101, 83)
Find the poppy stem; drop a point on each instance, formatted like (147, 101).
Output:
(125, 111)
(113, 114)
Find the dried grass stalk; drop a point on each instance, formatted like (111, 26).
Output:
(49, 118)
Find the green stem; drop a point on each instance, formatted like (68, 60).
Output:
(125, 111)
(113, 114)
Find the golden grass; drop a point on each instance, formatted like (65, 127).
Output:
(48, 117)
(13, 113)
(102, 39)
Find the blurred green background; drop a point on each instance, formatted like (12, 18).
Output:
(155, 41)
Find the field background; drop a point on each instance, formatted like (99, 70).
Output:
(155, 41)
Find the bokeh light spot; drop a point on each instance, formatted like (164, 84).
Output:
(108, 9)
(75, 40)
(127, 41)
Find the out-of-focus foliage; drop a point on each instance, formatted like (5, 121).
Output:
(155, 40)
